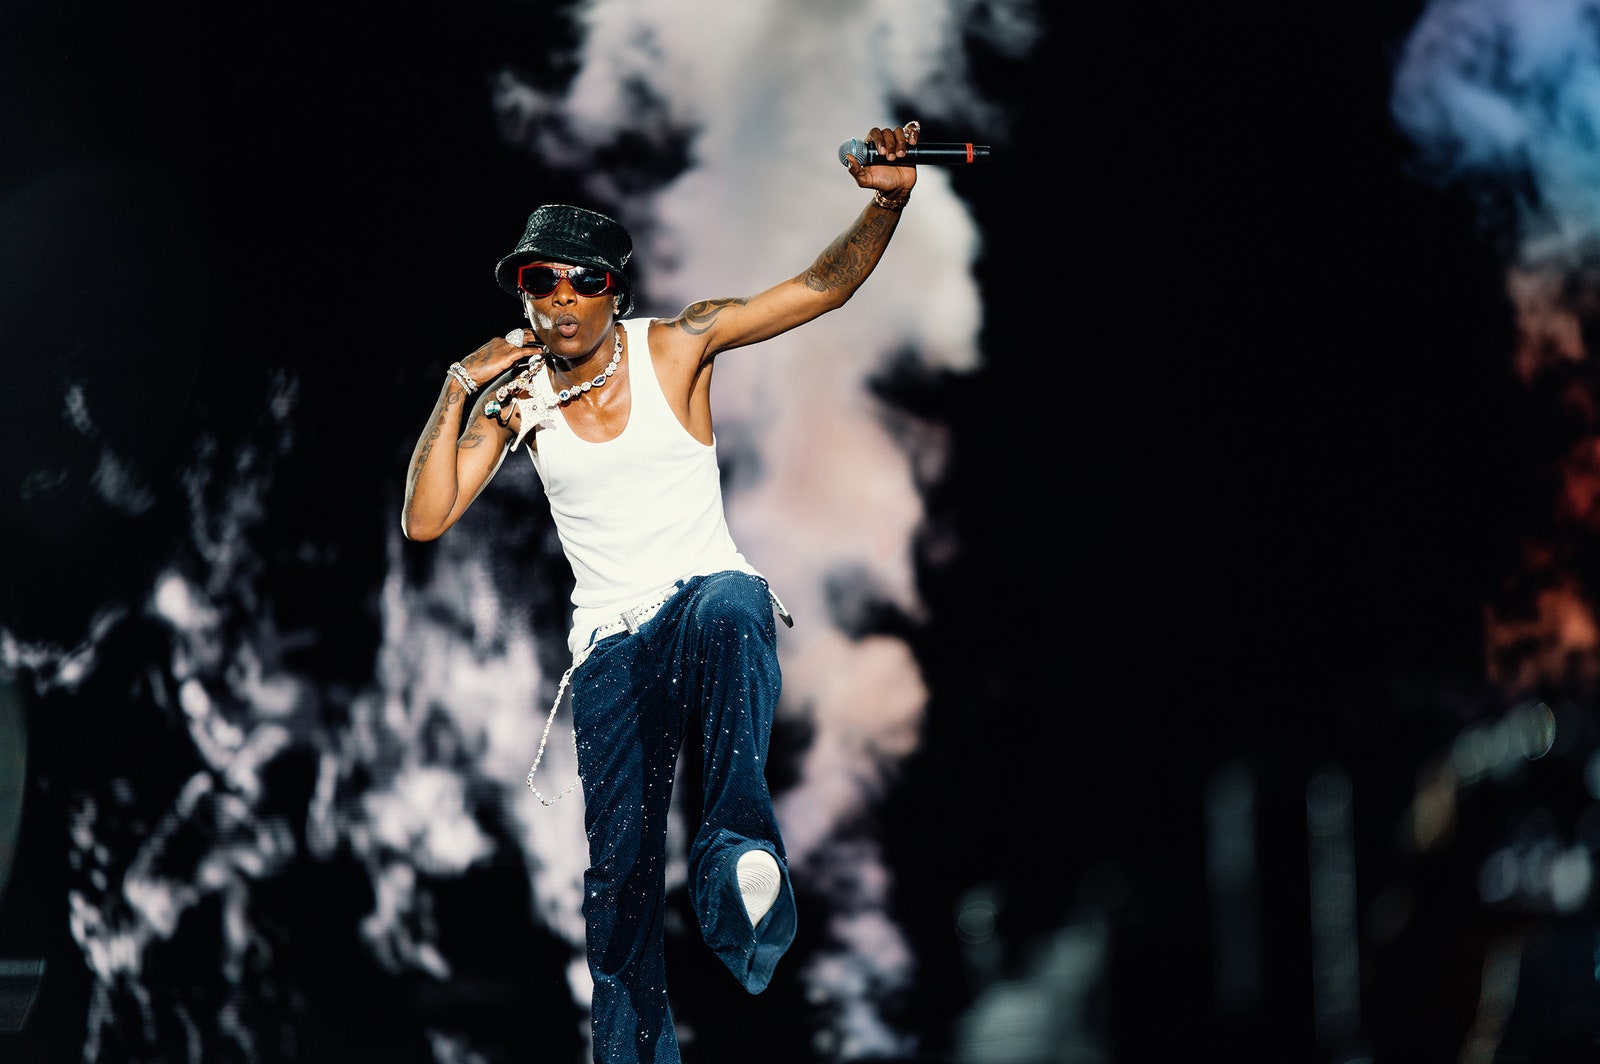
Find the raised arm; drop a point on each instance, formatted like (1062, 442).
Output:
(449, 466)
(710, 326)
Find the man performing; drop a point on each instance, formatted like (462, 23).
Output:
(672, 627)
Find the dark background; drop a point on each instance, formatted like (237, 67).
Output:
(1243, 465)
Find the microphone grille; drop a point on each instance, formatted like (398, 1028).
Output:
(852, 149)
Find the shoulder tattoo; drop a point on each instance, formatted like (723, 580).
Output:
(697, 318)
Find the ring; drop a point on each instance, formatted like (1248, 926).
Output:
(913, 126)
(492, 407)
(514, 337)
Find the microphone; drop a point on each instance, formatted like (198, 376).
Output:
(916, 154)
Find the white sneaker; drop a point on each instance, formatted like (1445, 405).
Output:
(759, 880)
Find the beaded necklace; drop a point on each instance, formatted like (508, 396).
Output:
(532, 380)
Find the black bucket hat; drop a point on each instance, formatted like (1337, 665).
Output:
(560, 233)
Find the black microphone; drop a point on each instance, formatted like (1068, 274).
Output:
(916, 154)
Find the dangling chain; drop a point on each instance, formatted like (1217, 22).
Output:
(551, 719)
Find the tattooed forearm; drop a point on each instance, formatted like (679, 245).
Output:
(472, 439)
(424, 449)
(848, 260)
(699, 317)
(431, 437)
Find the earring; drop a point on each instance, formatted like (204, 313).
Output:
(616, 305)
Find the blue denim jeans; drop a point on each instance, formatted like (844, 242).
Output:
(707, 660)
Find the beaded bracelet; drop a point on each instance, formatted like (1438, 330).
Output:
(891, 204)
(459, 372)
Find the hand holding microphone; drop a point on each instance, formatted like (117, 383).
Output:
(866, 154)
(891, 183)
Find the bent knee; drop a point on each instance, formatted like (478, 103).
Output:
(736, 599)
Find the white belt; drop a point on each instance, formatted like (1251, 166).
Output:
(637, 614)
(634, 617)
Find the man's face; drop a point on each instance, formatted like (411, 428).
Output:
(571, 308)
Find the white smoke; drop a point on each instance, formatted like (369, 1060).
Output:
(413, 772)
(758, 99)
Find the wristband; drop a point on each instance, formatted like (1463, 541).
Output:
(892, 204)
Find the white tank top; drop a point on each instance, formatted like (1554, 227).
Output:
(636, 513)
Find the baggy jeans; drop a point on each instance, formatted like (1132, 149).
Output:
(707, 659)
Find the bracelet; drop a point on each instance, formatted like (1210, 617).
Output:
(891, 204)
(459, 372)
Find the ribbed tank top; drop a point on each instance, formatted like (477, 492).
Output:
(638, 512)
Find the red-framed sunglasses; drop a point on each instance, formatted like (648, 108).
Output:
(540, 281)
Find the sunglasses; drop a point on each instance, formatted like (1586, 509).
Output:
(540, 281)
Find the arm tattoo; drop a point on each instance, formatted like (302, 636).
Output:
(848, 260)
(472, 439)
(423, 453)
(697, 318)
